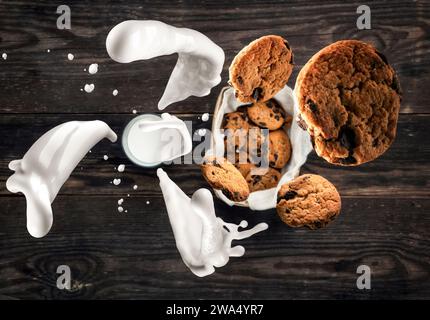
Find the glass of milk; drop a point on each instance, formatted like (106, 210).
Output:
(149, 139)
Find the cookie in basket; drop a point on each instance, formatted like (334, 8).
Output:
(223, 175)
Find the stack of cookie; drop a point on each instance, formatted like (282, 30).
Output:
(259, 146)
(257, 142)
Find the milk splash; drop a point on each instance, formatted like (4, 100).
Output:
(199, 64)
(201, 237)
(47, 165)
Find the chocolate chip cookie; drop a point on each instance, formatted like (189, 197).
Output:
(267, 114)
(236, 125)
(349, 99)
(222, 175)
(309, 200)
(263, 181)
(279, 148)
(261, 69)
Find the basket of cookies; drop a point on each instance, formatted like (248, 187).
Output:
(256, 146)
(345, 106)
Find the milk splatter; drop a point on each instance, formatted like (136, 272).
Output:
(203, 239)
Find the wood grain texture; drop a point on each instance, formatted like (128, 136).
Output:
(384, 221)
(133, 254)
(48, 82)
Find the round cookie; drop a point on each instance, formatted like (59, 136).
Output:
(279, 148)
(267, 114)
(349, 99)
(236, 125)
(261, 69)
(262, 182)
(224, 176)
(309, 200)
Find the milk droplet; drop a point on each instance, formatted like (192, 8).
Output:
(70, 56)
(147, 202)
(201, 132)
(105, 157)
(120, 201)
(121, 168)
(4, 56)
(48, 51)
(115, 92)
(116, 181)
(120, 209)
(128, 194)
(134, 111)
(89, 88)
(93, 68)
(205, 117)
(135, 187)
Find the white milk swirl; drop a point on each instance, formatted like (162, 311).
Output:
(199, 64)
(200, 236)
(47, 165)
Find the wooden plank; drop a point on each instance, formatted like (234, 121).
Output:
(402, 171)
(133, 254)
(36, 81)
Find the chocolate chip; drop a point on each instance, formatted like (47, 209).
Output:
(349, 160)
(347, 138)
(271, 115)
(272, 163)
(227, 193)
(275, 156)
(312, 105)
(383, 58)
(277, 118)
(317, 224)
(256, 94)
(289, 195)
(239, 80)
(263, 124)
(256, 179)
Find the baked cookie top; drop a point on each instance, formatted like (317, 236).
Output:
(261, 69)
(267, 114)
(263, 181)
(223, 175)
(279, 148)
(309, 200)
(349, 99)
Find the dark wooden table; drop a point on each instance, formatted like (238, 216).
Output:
(385, 219)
